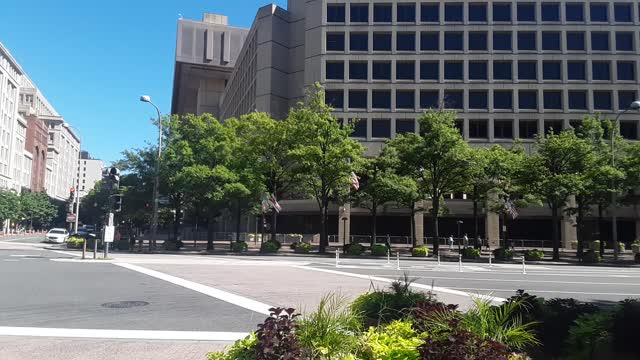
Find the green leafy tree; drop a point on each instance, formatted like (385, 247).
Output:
(95, 205)
(9, 202)
(324, 154)
(439, 158)
(37, 208)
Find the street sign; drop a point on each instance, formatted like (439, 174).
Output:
(109, 232)
(71, 218)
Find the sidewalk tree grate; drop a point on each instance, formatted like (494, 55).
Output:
(124, 304)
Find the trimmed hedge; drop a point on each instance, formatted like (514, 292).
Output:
(503, 254)
(239, 246)
(354, 249)
(420, 251)
(269, 247)
(533, 255)
(591, 257)
(470, 253)
(379, 250)
(75, 242)
(302, 248)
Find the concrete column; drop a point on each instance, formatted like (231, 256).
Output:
(344, 227)
(568, 225)
(492, 223)
(418, 219)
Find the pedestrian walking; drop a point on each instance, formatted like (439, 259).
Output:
(450, 242)
(465, 240)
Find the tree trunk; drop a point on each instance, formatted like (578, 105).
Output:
(374, 217)
(599, 226)
(475, 212)
(505, 235)
(176, 221)
(238, 221)
(414, 236)
(210, 231)
(436, 233)
(555, 236)
(324, 241)
(274, 221)
(580, 229)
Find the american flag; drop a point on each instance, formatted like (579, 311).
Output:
(274, 203)
(355, 183)
(510, 207)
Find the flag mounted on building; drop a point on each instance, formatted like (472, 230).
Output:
(511, 209)
(274, 203)
(355, 182)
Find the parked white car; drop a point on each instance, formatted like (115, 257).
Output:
(57, 235)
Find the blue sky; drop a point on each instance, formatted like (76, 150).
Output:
(93, 59)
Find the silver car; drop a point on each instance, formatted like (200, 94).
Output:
(57, 235)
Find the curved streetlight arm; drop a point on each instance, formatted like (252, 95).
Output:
(156, 178)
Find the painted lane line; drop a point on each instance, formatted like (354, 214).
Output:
(418, 286)
(550, 291)
(70, 253)
(122, 334)
(203, 289)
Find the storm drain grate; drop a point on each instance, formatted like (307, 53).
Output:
(124, 304)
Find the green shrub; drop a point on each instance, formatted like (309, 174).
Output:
(420, 251)
(636, 258)
(635, 248)
(470, 253)
(533, 255)
(594, 245)
(269, 247)
(591, 257)
(557, 316)
(172, 245)
(589, 335)
(354, 249)
(379, 250)
(243, 349)
(574, 244)
(503, 254)
(397, 340)
(625, 328)
(302, 248)
(75, 242)
(621, 247)
(239, 246)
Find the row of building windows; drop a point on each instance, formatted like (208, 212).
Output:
(502, 70)
(501, 12)
(479, 41)
(479, 99)
(478, 128)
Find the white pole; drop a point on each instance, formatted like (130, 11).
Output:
(460, 262)
(75, 227)
(438, 259)
(337, 258)
(398, 260)
(524, 269)
(490, 256)
(388, 257)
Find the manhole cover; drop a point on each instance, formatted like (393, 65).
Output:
(124, 304)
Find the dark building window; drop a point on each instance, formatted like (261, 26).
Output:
(574, 11)
(453, 12)
(503, 129)
(625, 98)
(357, 70)
(622, 13)
(453, 99)
(502, 70)
(359, 13)
(554, 126)
(430, 12)
(335, 13)
(358, 99)
(528, 129)
(406, 12)
(526, 40)
(359, 128)
(629, 130)
(334, 98)
(602, 100)
(405, 99)
(552, 100)
(380, 128)
(576, 124)
(453, 41)
(550, 11)
(382, 13)
(477, 12)
(527, 70)
(429, 99)
(405, 70)
(406, 41)
(429, 70)
(453, 70)
(477, 70)
(551, 70)
(478, 40)
(501, 12)
(405, 126)
(501, 41)
(358, 41)
(478, 99)
(526, 11)
(626, 70)
(599, 12)
(478, 129)
(528, 99)
(381, 41)
(381, 99)
(601, 70)
(550, 40)
(624, 41)
(429, 41)
(459, 124)
(600, 41)
(575, 41)
(335, 41)
(576, 70)
(334, 70)
(502, 99)
(577, 100)
(381, 70)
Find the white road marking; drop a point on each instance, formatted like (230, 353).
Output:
(213, 292)
(419, 286)
(12, 260)
(550, 291)
(516, 280)
(70, 253)
(122, 334)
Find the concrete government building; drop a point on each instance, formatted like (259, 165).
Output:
(511, 69)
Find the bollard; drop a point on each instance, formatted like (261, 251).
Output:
(84, 248)
(490, 264)
(524, 269)
(337, 258)
(398, 260)
(388, 257)
(460, 262)
(438, 259)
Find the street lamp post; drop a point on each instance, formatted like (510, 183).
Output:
(459, 222)
(156, 177)
(614, 221)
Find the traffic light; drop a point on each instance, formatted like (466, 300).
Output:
(114, 176)
(117, 203)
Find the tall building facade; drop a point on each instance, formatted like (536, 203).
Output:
(89, 173)
(11, 124)
(511, 69)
